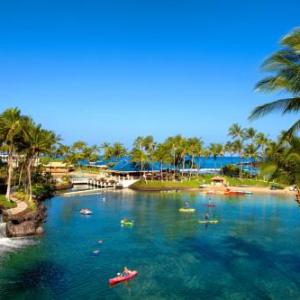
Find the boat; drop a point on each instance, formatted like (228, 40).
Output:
(127, 223)
(122, 278)
(187, 210)
(86, 211)
(208, 221)
(237, 192)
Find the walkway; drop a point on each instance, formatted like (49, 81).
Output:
(21, 207)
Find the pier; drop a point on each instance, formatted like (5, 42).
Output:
(103, 182)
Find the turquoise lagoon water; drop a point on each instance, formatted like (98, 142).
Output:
(253, 253)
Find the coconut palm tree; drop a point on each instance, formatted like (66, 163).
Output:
(228, 148)
(163, 156)
(62, 151)
(118, 150)
(249, 134)
(194, 146)
(10, 126)
(261, 142)
(216, 150)
(236, 132)
(173, 144)
(283, 160)
(91, 154)
(238, 148)
(251, 151)
(36, 140)
(285, 68)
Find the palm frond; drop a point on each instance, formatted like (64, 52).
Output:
(292, 130)
(292, 40)
(284, 105)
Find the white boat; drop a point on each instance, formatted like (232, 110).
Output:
(86, 211)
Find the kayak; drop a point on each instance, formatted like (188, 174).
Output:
(119, 279)
(208, 221)
(127, 223)
(187, 210)
(237, 193)
(234, 193)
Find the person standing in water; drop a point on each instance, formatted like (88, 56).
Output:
(206, 216)
(186, 204)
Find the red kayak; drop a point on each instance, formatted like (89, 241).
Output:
(234, 193)
(118, 279)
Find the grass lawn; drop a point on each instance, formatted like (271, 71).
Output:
(195, 182)
(5, 203)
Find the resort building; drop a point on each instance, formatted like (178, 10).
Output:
(58, 169)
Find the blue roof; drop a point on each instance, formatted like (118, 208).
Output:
(124, 164)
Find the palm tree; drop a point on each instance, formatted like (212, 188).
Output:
(62, 151)
(236, 132)
(118, 150)
(150, 145)
(285, 66)
(91, 153)
(138, 154)
(228, 148)
(249, 134)
(37, 140)
(10, 121)
(238, 147)
(283, 160)
(194, 146)
(251, 151)
(216, 150)
(183, 150)
(173, 144)
(261, 142)
(163, 156)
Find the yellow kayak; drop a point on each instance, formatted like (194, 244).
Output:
(187, 210)
(208, 221)
(127, 223)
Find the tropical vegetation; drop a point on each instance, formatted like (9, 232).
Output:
(282, 159)
(24, 141)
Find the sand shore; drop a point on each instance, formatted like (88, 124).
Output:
(253, 189)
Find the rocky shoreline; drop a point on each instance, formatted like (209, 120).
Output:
(25, 222)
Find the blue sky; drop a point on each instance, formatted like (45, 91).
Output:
(113, 70)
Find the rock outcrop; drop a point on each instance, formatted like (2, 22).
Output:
(25, 223)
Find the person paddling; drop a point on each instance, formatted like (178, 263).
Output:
(206, 216)
(125, 272)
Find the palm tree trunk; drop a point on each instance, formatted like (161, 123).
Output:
(20, 175)
(29, 179)
(152, 168)
(192, 165)
(198, 167)
(10, 173)
(241, 168)
(183, 166)
(174, 168)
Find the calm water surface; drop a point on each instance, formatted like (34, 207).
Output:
(253, 253)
